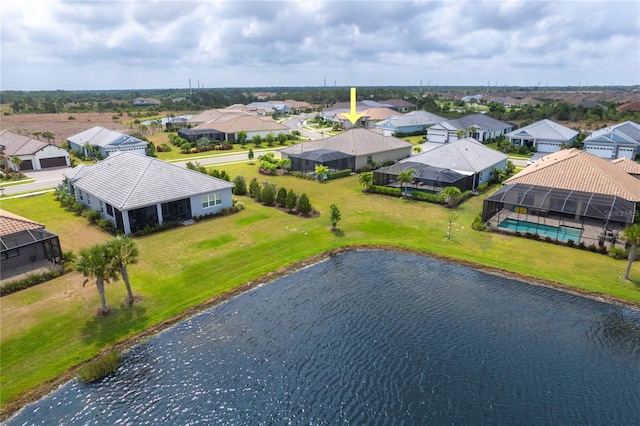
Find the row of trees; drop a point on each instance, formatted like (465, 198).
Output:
(108, 262)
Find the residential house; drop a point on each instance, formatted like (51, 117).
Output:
(477, 126)
(569, 194)
(617, 141)
(134, 192)
(225, 126)
(140, 101)
(35, 154)
(106, 142)
(631, 106)
(629, 166)
(355, 149)
(25, 246)
(368, 118)
(463, 163)
(414, 121)
(543, 135)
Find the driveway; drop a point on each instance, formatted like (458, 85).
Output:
(44, 179)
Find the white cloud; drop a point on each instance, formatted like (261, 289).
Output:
(136, 44)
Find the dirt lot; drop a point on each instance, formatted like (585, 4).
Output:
(59, 124)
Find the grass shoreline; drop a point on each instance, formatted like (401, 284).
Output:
(44, 389)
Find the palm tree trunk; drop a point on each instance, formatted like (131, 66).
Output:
(103, 300)
(632, 257)
(125, 278)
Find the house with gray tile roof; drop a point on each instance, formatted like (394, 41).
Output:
(106, 142)
(617, 141)
(35, 154)
(133, 191)
(465, 163)
(478, 126)
(364, 145)
(544, 136)
(414, 121)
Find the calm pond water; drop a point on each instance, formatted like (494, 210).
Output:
(375, 338)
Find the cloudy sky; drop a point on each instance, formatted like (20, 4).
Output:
(103, 44)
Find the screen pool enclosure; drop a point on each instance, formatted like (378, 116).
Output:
(560, 233)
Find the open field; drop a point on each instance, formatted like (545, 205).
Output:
(50, 328)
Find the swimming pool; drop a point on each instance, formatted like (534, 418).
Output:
(562, 233)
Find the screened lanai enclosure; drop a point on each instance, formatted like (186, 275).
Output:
(306, 162)
(426, 178)
(558, 213)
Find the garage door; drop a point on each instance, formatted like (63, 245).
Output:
(26, 165)
(45, 163)
(548, 147)
(600, 151)
(626, 152)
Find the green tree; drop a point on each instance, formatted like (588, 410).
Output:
(460, 133)
(334, 215)
(366, 180)
(151, 149)
(48, 135)
(417, 149)
(242, 138)
(185, 147)
(240, 187)
(632, 235)
(405, 178)
(269, 139)
(321, 171)
(282, 138)
(250, 156)
(268, 194)
(256, 140)
(304, 205)
(451, 195)
(281, 196)
(123, 251)
(254, 188)
(292, 200)
(94, 262)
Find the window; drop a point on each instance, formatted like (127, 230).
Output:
(109, 209)
(101, 207)
(211, 200)
(369, 159)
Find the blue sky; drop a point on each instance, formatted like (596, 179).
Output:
(104, 44)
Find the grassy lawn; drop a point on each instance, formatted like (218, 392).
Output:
(52, 327)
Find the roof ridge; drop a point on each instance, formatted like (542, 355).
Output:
(133, 188)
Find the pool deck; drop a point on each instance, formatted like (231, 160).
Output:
(592, 228)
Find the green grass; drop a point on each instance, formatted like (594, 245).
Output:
(99, 368)
(53, 327)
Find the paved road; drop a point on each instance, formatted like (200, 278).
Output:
(296, 123)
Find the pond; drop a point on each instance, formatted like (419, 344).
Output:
(375, 337)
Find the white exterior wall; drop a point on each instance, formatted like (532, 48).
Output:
(264, 133)
(198, 210)
(381, 157)
(50, 151)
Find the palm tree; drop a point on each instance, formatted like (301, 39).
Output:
(16, 161)
(94, 262)
(321, 171)
(632, 235)
(123, 251)
(450, 194)
(417, 149)
(405, 178)
(366, 180)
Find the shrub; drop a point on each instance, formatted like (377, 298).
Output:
(99, 368)
(92, 215)
(593, 248)
(425, 196)
(254, 188)
(28, 281)
(618, 253)
(478, 224)
(281, 196)
(603, 250)
(339, 174)
(240, 187)
(571, 243)
(482, 187)
(548, 239)
(304, 205)
(385, 190)
(291, 201)
(268, 194)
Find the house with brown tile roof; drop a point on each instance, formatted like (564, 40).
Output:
(35, 154)
(629, 166)
(225, 126)
(25, 245)
(570, 185)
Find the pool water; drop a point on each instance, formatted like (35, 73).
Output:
(562, 233)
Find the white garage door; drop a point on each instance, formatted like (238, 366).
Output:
(626, 152)
(548, 147)
(600, 151)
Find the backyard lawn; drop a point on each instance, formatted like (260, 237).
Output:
(50, 328)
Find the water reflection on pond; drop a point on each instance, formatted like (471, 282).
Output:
(376, 337)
